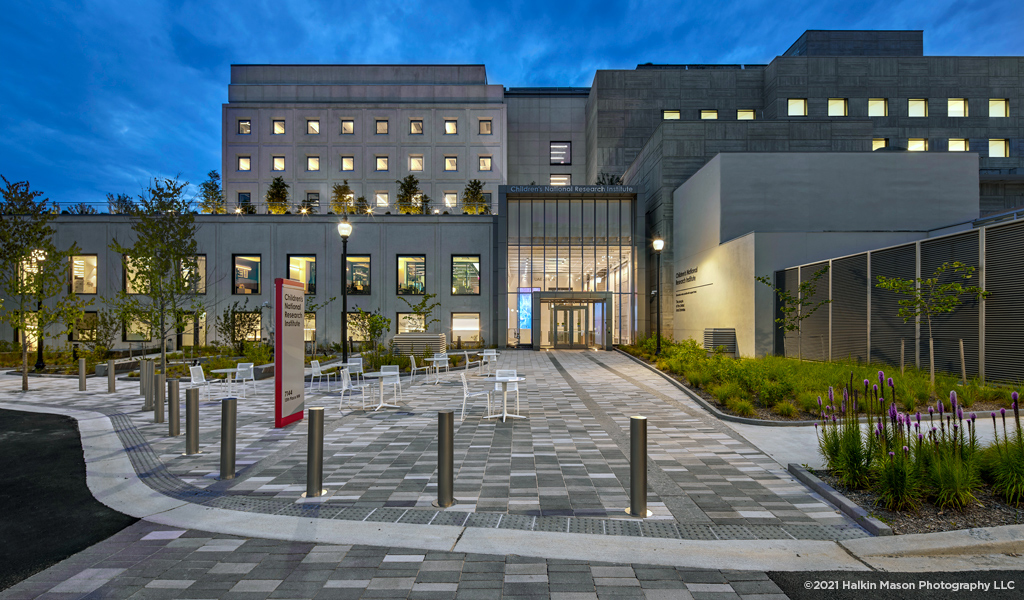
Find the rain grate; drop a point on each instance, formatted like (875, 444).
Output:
(419, 517)
(353, 513)
(660, 529)
(488, 520)
(622, 527)
(386, 515)
(523, 522)
(556, 524)
(455, 518)
(696, 532)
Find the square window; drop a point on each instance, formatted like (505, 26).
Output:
(485, 127)
(312, 163)
(244, 163)
(313, 127)
(416, 127)
(312, 203)
(85, 328)
(246, 274)
(878, 107)
(837, 107)
(278, 164)
(451, 163)
(745, 114)
(560, 180)
(382, 163)
(670, 115)
(244, 127)
(83, 274)
(382, 126)
(485, 163)
(998, 107)
(309, 328)
(412, 274)
(998, 148)
(451, 126)
(708, 114)
(348, 163)
(466, 275)
(466, 327)
(797, 107)
(958, 145)
(302, 268)
(244, 204)
(137, 331)
(560, 153)
(381, 198)
(917, 144)
(357, 275)
(278, 128)
(956, 107)
(877, 143)
(917, 107)
(194, 273)
(416, 162)
(410, 322)
(248, 326)
(348, 127)
(451, 199)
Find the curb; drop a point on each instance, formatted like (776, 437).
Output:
(852, 510)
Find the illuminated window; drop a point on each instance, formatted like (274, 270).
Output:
(412, 274)
(466, 275)
(998, 107)
(451, 126)
(998, 148)
(485, 163)
(958, 145)
(466, 326)
(248, 326)
(956, 107)
(83, 274)
(485, 127)
(797, 107)
(416, 127)
(309, 328)
(246, 274)
(303, 270)
(382, 126)
(194, 274)
(244, 127)
(708, 114)
(877, 143)
(917, 144)
(745, 114)
(355, 332)
(560, 180)
(670, 115)
(130, 280)
(136, 331)
(348, 127)
(278, 164)
(560, 153)
(410, 323)
(348, 163)
(451, 163)
(278, 128)
(381, 199)
(357, 275)
(312, 163)
(415, 162)
(451, 199)
(382, 163)
(313, 127)
(878, 107)
(837, 107)
(194, 331)
(244, 163)
(917, 107)
(85, 328)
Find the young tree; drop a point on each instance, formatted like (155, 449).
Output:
(312, 307)
(425, 204)
(33, 270)
(82, 209)
(238, 324)
(341, 199)
(120, 204)
(362, 206)
(799, 307)
(473, 200)
(211, 195)
(277, 196)
(408, 189)
(161, 265)
(371, 327)
(423, 309)
(931, 297)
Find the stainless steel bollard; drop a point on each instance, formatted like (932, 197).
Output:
(81, 374)
(192, 421)
(158, 398)
(638, 467)
(173, 409)
(142, 377)
(148, 393)
(315, 454)
(111, 377)
(228, 414)
(445, 459)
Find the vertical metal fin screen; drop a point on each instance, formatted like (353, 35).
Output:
(850, 308)
(815, 327)
(949, 329)
(791, 283)
(887, 328)
(1004, 308)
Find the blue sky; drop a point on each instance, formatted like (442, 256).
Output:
(99, 96)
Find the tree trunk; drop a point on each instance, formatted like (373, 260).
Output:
(24, 360)
(931, 360)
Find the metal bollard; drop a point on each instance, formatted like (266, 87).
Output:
(158, 398)
(148, 393)
(173, 409)
(228, 413)
(315, 454)
(445, 459)
(192, 421)
(81, 374)
(142, 377)
(111, 379)
(638, 467)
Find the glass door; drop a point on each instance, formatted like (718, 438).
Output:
(570, 326)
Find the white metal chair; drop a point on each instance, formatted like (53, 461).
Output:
(442, 365)
(466, 394)
(489, 356)
(413, 368)
(246, 372)
(470, 363)
(199, 380)
(513, 386)
(348, 386)
(357, 367)
(392, 378)
(319, 374)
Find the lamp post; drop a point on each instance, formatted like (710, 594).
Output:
(344, 230)
(659, 245)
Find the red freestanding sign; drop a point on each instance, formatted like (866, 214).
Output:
(289, 378)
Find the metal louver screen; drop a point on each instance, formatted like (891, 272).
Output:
(1004, 307)
(790, 283)
(949, 329)
(815, 327)
(887, 327)
(850, 308)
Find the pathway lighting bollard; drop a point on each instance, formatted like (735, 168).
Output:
(173, 409)
(81, 374)
(192, 421)
(638, 467)
(228, 413)
(111, 379)
(445, 459)
(158, 398)
(315, 454)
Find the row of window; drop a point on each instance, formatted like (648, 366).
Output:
(877, 107)
(381, 199)
(348, 127)
(997, 148)
(382, 163)
(744, 114)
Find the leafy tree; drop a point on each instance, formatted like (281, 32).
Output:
(238, 324)
(341, 199)
(362, 206)
(312, 307)
(161, 265)
(423, 309)
(82, 209)
(931, 297)
(371, 327)
(425, 204)
(408, 189)
(608, 179)
(33, 270)
(106, 333)
(277, 196)
(121, 204)
(211, 195)
(473, 200)
(799, 307)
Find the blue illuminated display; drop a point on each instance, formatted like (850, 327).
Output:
(525, 310)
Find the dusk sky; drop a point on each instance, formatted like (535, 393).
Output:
(99, 96)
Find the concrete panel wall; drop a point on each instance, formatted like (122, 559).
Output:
(536, 120)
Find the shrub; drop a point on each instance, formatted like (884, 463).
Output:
(808, 402)
(773, 391)
(728, 391)
(699, 377)
(785, 409)
(258, 354)
(898, 484)
(742, 408)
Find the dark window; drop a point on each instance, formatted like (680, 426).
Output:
(412, 274)
(245, 204)
(85, 328)
(357, 275)
(466, 275)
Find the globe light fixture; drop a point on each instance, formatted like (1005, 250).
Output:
(344, 230)
(659, 245)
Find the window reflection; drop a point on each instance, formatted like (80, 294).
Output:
(412, 275)
(357, 275)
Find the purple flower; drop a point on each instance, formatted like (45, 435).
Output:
(874, 388)
(1014, 396)
(973, 416)
(890, 383)
(831, 395)
(960, 412)
(920, 437)
(931, 411)
(906, 450)
(891, 454)
(819, 400)
(881, 376)
(1002, 412)
(866, 384)
(940, 407)
(918, 415)
(833, 418)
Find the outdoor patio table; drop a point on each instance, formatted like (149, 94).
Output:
(229, 373)
(490, 355)
(437, 367)
(504, 381)
(378, 375)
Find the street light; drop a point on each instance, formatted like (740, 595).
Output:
(659, 245)
(344, 230)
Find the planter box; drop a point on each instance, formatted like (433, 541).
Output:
(416, 343)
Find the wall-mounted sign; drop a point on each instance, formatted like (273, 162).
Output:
(289, 364)
(571, 189)
(687, 278)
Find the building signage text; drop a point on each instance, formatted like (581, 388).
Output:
(574, 189)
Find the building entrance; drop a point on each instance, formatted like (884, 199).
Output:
(571, 326)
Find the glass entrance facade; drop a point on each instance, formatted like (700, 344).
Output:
(571, 245)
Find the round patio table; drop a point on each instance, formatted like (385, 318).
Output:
(379, 375)
(229, 373)
(437, 367)
(504, 381)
